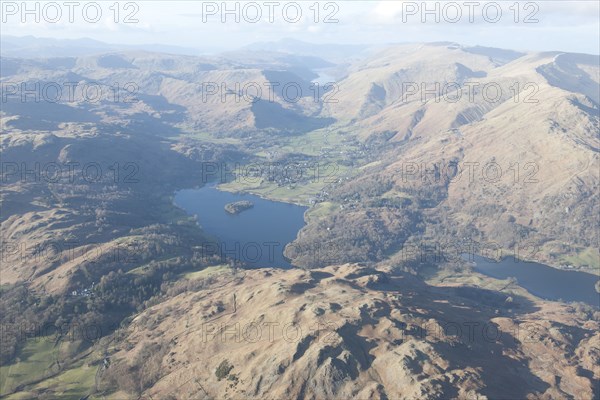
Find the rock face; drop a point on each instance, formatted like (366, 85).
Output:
(238, 206)
(356, 332)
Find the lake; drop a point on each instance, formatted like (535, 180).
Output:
(255, 237)
(541, 280)
(323, 78)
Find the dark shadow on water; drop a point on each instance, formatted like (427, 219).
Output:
(542, 280)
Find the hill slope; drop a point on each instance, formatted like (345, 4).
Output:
(353, 332)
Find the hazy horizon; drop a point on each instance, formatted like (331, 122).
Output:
(212, 27)
(168, 48)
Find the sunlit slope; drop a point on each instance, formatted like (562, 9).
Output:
(516, 147)
(350, 331)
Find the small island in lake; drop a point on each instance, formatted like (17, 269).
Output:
(238, 206)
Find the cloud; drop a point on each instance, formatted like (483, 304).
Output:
(386, 11)
(470, 13)
(565, 26)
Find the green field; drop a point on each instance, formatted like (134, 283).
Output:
(39, 368)
(299, 194)
(35, 361)
(444, 277)
(206, 272)
(589, 257)
(321, 210)
(207, 137)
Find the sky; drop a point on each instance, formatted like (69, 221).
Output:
(562, 25)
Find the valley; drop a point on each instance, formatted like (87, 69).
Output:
(123, 276)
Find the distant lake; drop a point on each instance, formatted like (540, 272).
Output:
(257, 236)
(541, 280)
(323, 77)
